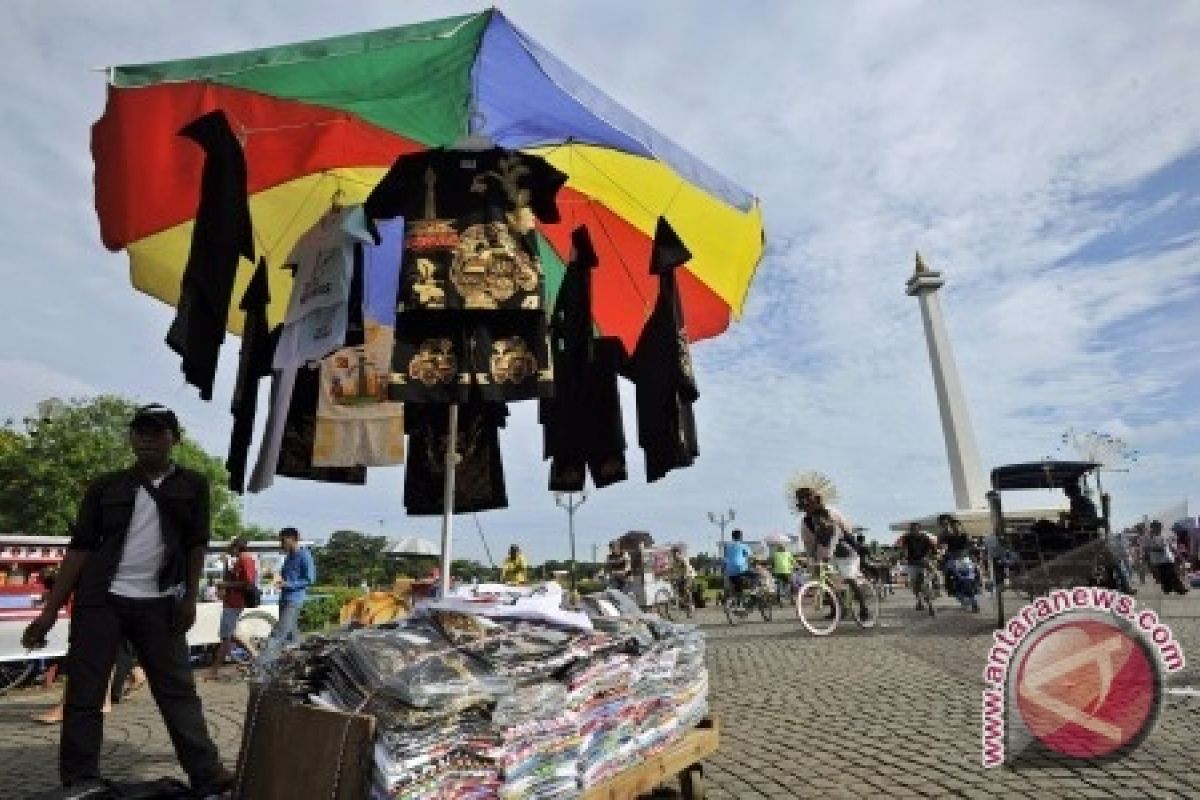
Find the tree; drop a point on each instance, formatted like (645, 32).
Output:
(350, 557)
(46, 462)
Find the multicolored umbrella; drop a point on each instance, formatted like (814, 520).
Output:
(324, 120)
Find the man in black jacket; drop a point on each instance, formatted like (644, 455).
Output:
(134, 565)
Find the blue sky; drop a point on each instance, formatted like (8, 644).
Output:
(1044, 157)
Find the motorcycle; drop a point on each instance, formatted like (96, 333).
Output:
(963, 581)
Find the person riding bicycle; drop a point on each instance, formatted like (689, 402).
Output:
(834, 541)
(916, 548)
(783, 566)
(737, 564)
(683, 574)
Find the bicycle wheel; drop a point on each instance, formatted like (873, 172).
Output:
(813, 606)
(871, 618)
(766, 603)
(662, 603)
(730, 605)
(927, 595)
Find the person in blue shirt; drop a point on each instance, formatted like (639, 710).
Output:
(296, 575)
(737, 563)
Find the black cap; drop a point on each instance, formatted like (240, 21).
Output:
(155, 416)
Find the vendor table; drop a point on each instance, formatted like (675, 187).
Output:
(681, 760)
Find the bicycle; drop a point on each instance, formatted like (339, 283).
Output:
(822, 601)
(674, 601)
(926, 588)
(738, 605)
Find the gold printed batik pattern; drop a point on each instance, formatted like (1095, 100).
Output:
(512, 361)
(490, 268)
(434, 363)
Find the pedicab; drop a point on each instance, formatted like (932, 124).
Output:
(1033, 558)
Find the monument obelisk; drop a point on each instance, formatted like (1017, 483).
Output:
(961, 450)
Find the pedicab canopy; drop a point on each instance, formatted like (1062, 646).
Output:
(1040, 474)
(322, 121)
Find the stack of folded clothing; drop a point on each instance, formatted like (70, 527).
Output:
(499, 694)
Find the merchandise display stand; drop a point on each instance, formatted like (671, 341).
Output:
(681, 760)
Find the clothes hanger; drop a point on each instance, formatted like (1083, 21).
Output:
(474, 140)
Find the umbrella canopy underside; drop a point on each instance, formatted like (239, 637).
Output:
(323, 121)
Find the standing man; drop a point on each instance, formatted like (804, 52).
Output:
(242, 574)
(295, 576)
(134, 565)
(514, 570)
(917, 548)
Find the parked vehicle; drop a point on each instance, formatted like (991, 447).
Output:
(1033, 560)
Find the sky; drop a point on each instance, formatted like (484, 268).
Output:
(1045, 157)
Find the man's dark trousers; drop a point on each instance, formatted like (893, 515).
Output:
(96, 633)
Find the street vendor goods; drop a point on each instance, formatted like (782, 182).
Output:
(499, 693)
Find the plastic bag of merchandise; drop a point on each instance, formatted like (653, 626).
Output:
(540, 700)
(633, 632)
(301, 669)
(417, 664)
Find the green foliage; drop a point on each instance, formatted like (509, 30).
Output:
(350, 557)
(47, 460)
(324, 606)
(590, 586)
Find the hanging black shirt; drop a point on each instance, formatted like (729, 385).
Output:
(469, 240)
(661, 368)
(254, 362)
(221, 235)
(582, 424)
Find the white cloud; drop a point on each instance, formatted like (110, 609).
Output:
(990, 137)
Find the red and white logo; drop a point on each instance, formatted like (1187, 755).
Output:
(1087, 688)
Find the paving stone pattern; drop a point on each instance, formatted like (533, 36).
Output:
(889, 713)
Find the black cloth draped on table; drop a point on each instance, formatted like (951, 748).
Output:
(581, 424)
(661, 368)
(221, 235)
(254, 362)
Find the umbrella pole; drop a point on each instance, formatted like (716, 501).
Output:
(448, 496)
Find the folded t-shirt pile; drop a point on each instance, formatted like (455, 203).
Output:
(496, 693)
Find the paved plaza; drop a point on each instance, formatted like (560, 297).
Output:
(893, 712)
